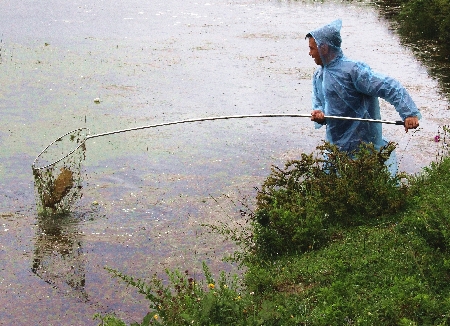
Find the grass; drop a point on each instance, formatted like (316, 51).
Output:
(386, 264)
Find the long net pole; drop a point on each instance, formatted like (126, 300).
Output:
(280, 115)
(58, 168)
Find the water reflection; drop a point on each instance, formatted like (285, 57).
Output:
(58, 257)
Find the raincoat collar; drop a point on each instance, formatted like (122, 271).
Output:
(334, 61)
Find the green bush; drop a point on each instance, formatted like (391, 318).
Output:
(423, 19)
(371, 276)
(303, 206)
(419, 17)
(431, 216)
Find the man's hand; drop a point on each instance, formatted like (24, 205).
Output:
(411, 123)
(318, 116)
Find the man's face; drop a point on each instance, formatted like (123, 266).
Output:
(314, 51)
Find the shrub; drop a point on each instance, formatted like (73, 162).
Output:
(431, 216)
(302, 206)
(422, 19)
(391, 270)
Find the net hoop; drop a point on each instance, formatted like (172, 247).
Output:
(84, 132)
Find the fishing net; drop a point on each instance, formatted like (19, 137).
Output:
(58, 172)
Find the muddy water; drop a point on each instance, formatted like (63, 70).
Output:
(146, 193)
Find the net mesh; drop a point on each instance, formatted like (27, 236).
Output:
(58, 173)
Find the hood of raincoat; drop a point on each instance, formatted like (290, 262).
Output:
(328, 40)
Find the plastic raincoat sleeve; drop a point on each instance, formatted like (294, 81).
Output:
(318, 101)
(374, 84)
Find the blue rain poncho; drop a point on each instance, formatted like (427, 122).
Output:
(342, 87)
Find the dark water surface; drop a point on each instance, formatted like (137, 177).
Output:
(147, 192)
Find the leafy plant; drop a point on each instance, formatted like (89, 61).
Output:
(431, 222)
(423, 20)
(187, 301)
(302, 206)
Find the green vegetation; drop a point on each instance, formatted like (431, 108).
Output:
(338, 244)
(187, 301)
(306, 204)
(426, 19)
(423, 26)
(420, 19)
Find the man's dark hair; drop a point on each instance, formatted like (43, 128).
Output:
(308, 36)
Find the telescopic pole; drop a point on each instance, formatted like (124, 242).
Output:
(280, 115)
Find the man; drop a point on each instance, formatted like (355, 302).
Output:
(342, 87)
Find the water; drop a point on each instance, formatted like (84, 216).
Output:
(147, 192)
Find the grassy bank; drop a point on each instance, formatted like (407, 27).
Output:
(347, 244)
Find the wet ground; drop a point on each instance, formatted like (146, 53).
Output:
(110, 66)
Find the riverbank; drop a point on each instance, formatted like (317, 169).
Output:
(429, 19)
(304, 267)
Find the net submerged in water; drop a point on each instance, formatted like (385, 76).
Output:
(58, 172)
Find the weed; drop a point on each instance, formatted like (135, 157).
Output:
(188, 301)
(302, 206)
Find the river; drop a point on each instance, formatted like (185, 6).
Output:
(113, 65)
